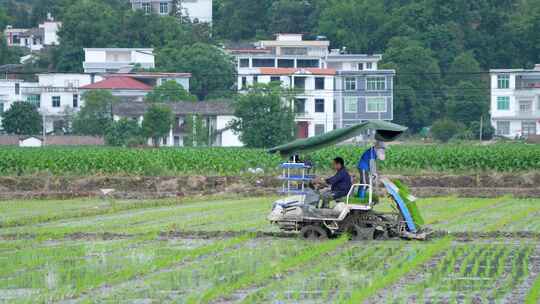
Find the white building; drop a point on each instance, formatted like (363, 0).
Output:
(515, 101)
(195, 10)
(217, 115)
(314, 94)
(337, 89)
(114, 60)
(16, 90)
(35, 38)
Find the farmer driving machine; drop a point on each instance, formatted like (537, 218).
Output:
(300, 210)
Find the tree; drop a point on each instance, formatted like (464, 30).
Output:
(464, 68)
(241, 19)
(418, 75)
(157, 123)
(197, 131)
(265, 118)
(211, 68)
(95, 116)
(124, 133)
(22, 118)
(291, 16)
(352, 23)
(446, 129)
(468, 103)
(170, 91)
(88, 23)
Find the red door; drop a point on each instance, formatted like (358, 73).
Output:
(302, 129)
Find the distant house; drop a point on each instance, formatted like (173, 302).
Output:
(195, 10)
(34, 39)
(217, 115)
(114, 60)
(515, 102)
(135, 86)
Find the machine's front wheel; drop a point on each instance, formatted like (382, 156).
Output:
(312, 232)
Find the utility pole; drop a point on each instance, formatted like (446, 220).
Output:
(481, 127)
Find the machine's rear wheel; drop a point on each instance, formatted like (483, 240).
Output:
(358, 233)
(312, 232)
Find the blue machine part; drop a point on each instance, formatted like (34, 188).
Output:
(401, 205)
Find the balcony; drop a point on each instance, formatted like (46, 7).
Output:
(39, 90)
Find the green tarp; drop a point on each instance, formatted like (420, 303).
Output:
(385, 131)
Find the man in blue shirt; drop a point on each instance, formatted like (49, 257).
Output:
(367, 165)
(340, 184)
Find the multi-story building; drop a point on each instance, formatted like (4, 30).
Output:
(58, 96)
(363, 92)
(313, 94)
(515, 102)
(35, 38)
(134, 86)
(195, 10)
(114, 60)
(340, 89)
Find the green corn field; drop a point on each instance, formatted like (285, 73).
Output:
(232, 161)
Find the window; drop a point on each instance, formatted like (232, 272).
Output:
(528, 128)
(177, 141)
(244, 63)
(369, 65)
(1, 107)
(263, 63)
(319, 105)
(244, 82)
(376, 84)
(34, 99)
(75, 100)
(275, 79)
(319, 130)
(164, 141)
(300, 106)
(375, 104)
(350, 84)
(294, 51)
(360, 66)
(163, 8)
(525, 106)
(307, 63)
(147, 8)
(319, 83)
(503, 81)
(503, 103)
(56, 101)
(300, 82)
(503, 128)
(255, 79)
(285, 63)
(17, 89)
(351, 104)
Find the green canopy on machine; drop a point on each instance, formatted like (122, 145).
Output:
(384, 131)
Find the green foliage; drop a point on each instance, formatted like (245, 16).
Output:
(265, 118)
(124, 133)
(197, 131)
(445, 129)
(22, 118)
(510, 157)
(157, 123)
(211, 68)
(291, 16)
(170, 91)
(95, 116)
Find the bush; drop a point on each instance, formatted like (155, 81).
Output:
(445, 129)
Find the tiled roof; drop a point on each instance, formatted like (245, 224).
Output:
(291, 71)
(119, 83)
